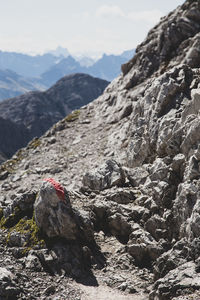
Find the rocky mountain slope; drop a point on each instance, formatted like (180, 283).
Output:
(126, 212)
(35, 112)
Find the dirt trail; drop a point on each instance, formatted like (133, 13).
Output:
(105, 293)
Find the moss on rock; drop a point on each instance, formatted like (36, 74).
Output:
(2, 222)
(73, 116)
(34, 143)
(11, 164)
(29, 228)
(1, 212)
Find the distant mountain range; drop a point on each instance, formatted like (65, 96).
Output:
(31, 114)
(108, 67)
(20, 73)
(13, 84)
(59, 52)
(27, 65)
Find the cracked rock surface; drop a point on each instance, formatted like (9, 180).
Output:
(129, 166)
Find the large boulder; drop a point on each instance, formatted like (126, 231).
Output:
(143, 247)
(55, 216)
(105, 176)
(53, 212)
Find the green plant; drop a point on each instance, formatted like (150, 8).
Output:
(30, 228)
(10, 165)
(2, 222)
(73, 116)
(1, 212)
(34, 143)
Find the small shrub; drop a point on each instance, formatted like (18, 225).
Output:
(34, 143)
(10, 165)
(73, 116)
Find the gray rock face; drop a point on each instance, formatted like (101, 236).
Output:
(53, 213)
(33, 263)
(143, 247)
(137, 175)
(169, 43)
(182, 278)
(8, 289)
(55, 216)
(21, 205)
(106, 176)
(138, 146)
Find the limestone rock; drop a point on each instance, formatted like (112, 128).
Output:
(166, 43)
(137, 175)
(178, 164)
(176, 281)
(21, 205)
(107, 175)
(141, 208)
(143, 247)
(8, 288)
(55, 216)
(32, 262)
(53, 212)
(178, 255)
(156, 226)
(119, 226)
(186, 207)
(121, 195)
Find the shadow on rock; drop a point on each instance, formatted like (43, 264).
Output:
(70, 240)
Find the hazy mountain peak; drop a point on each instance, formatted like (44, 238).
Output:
(59, 51)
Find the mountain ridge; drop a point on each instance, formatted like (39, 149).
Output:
(97, 69)
(42, 71)
(129, 162)
(37, 111)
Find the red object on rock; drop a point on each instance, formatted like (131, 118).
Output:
(58, 187)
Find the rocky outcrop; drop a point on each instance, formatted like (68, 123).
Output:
(172, 42)
(8, 289)
(54, 214)
(130, 163)
(106, 176)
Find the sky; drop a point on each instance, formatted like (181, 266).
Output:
(87, 27)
